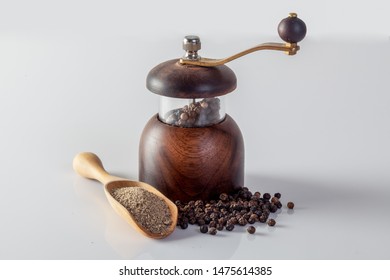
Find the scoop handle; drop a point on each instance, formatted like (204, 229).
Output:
(90, 166)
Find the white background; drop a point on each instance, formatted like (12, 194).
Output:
(316, 125)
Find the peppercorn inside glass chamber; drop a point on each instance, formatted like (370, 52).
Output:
(192, 149)
(195, 112)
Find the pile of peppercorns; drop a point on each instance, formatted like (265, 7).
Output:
(241, 208)
(201, 113)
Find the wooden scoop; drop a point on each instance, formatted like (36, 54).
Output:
(90, 166)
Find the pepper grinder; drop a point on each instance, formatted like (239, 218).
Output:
(192, 149)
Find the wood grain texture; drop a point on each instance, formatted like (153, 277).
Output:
(192, 163)
(90, 166)
(173, 79)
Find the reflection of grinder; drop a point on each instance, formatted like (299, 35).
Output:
(192, 149)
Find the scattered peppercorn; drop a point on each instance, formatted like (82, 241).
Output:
(232, 221)
(242, 221)
(266, 196)
(198, 203)
(223, 197)
(251, 229)
(271, 222)
(184, 225)
(290, 205)
(212, 224)
(204, 228)
(230, 227)
(273, 208)
(251, 220)
(212, 231)
(229, 210)
(262, 219)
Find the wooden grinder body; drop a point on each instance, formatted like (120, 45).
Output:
(192, 163)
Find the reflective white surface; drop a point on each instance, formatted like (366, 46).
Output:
(316, 128)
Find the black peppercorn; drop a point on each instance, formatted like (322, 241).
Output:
(214, 216)
(219, 227)
(222, 221)
(271, 222)
(198, 203)
(262, 219)
(183, 225)
(254, 216)
(212, 231)
(265, 207)
(251, 229)
(230, 227)
(242, 221)
(239, 208)
(266, 212)
(220, 204)
(204, 229)
(251, 220)
(192, 221)
(273, 208)
(224, 197)
(212, 224)
(266, 196)
(232, 221)
(258, 213)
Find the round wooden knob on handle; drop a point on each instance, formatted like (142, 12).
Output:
(292, 29)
